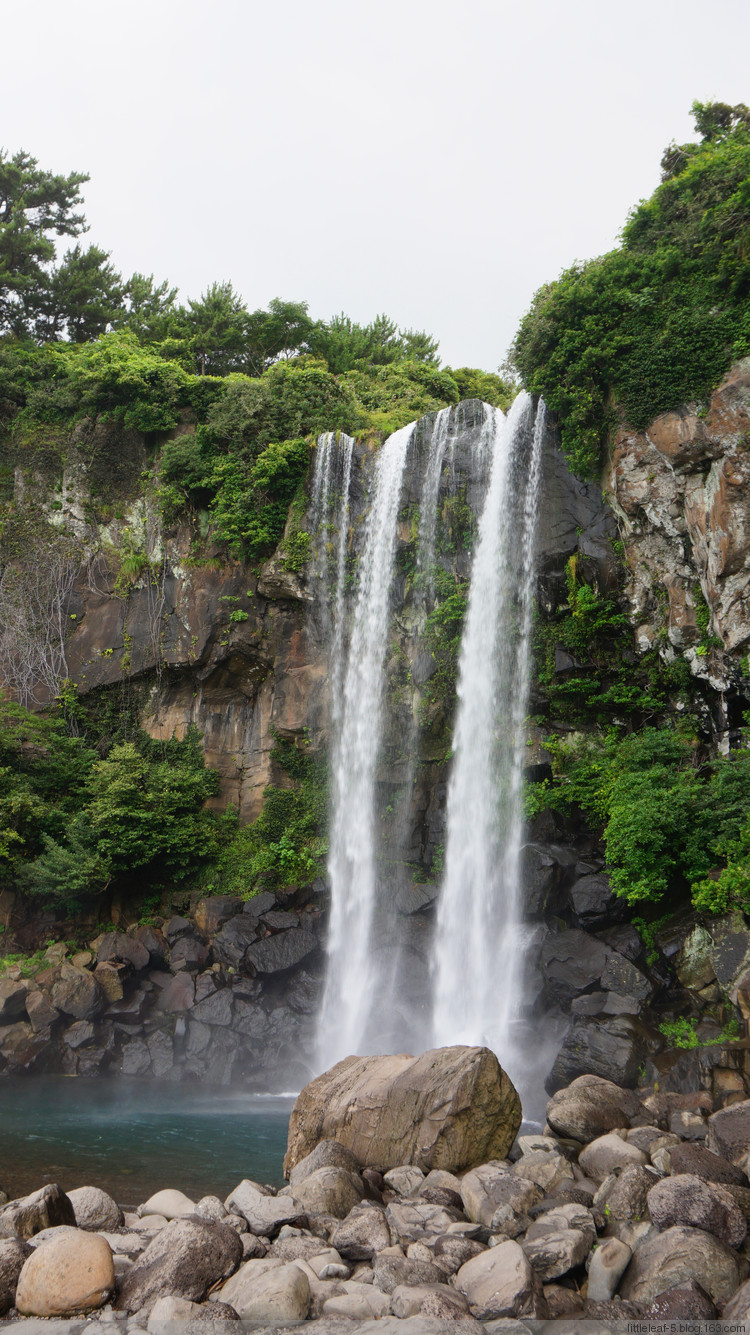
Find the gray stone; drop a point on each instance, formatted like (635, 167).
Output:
(45, 1208)
(186, 1259)
(590, 1107)
(729, 1132)
(668, 1259)
(608, 1264)
(178, 995)
(263, 1292)
(77, 993)
(265, 1214)
(405, 1181)
(433, 1300)
(571, 962)
(274, 954)
(705, 1163)
(118, 946)
(40, 1011)
(327, 1154)
(499, 1283)
(188, 954)
(684, 1302)
(389, 1272)
(685, 1199)
(593, 901)
(216, 1009)
(13, 1254)
(622, 977)
(329, 1191)
(230, 944)
(607, 1153)
(485, 1189)
(414, 1219)
(603, 1047)
(363, 1233)
(94, 1210)
(13, 995)
(622, 1195)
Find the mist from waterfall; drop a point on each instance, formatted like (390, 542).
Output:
(352, 996)
(478, 949)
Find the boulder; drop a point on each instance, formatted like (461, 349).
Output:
(211, 914)
(268, 1292)
(40, 1011)
(357, 1301)
(607, 1153)
(13, 1254)
(331, 1191)
(593, 900)
(451, 1252)
(13, 995)
(485, 1189)
(450, 1108)
(187, 955)
(178, 1316)
(216, 1009)
(738, 1307)
(572, 962)
(405, 1180)
(45, 1208)
(610, 1047)
(274, 954)
(685, 1199)
(706, 1164)
(499, 1283)
(608, 1264)
(555, 1244)
(327, 1154)
(548, 1170)
(118, 946)
(685, 1302)
(729, 1132)
(77, 993)
(186, 1258)
(434, 1300)
(668, 1259)
(412, 1220)
(67, 1275)
(621, 976)
(265, 1214)
(590, 1107)
(623, 1194)
(363, 1233)
(170, 1203)
(231, 943)
(390, 1272)
(94, 1210)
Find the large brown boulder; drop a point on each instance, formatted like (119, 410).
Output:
(450, 1108)
(66, 1275)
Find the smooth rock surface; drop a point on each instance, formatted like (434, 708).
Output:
(69, 1274)
(450, 1108)
(499, 1283)
(280, 1293)
(94, 1210)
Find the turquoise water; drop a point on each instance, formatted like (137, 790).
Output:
(132, 1138)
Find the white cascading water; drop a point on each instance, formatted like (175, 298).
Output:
(352, 998)
(479, 937)
(329, 516)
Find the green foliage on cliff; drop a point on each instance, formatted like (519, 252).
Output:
(286, 845)
(656, 322)
(668, 822)
(74, 822)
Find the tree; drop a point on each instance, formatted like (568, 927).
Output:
(217, 328)
(150, 310)
(86, 295)
(281, 331)
(35, 205)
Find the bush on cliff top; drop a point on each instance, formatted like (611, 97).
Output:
(658, 321)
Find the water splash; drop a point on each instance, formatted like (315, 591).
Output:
(479, 939)
(352, 998)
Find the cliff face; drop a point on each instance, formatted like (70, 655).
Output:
(681, 493)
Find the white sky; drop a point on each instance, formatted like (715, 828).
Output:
(435, 161)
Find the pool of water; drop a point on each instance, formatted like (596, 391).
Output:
(132, 1138)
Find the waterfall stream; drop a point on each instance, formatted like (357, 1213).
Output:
(471, 986)
(478, 947)
(351, 998)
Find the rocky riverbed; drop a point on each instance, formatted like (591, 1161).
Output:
(629, 1205)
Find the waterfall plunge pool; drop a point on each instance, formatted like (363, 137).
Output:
(131, 1137)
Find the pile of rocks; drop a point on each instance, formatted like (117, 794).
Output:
(227, 994)
(623, 1208)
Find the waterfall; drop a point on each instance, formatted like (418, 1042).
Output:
(329, 515)
(352, 999)
(478, 947)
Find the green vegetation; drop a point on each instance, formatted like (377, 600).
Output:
(683, 1033)
(286, 845)
(669, 822)
(656, 322)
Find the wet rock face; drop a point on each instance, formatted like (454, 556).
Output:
(681, 490)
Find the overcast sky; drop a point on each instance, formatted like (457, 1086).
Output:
(435, 161)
